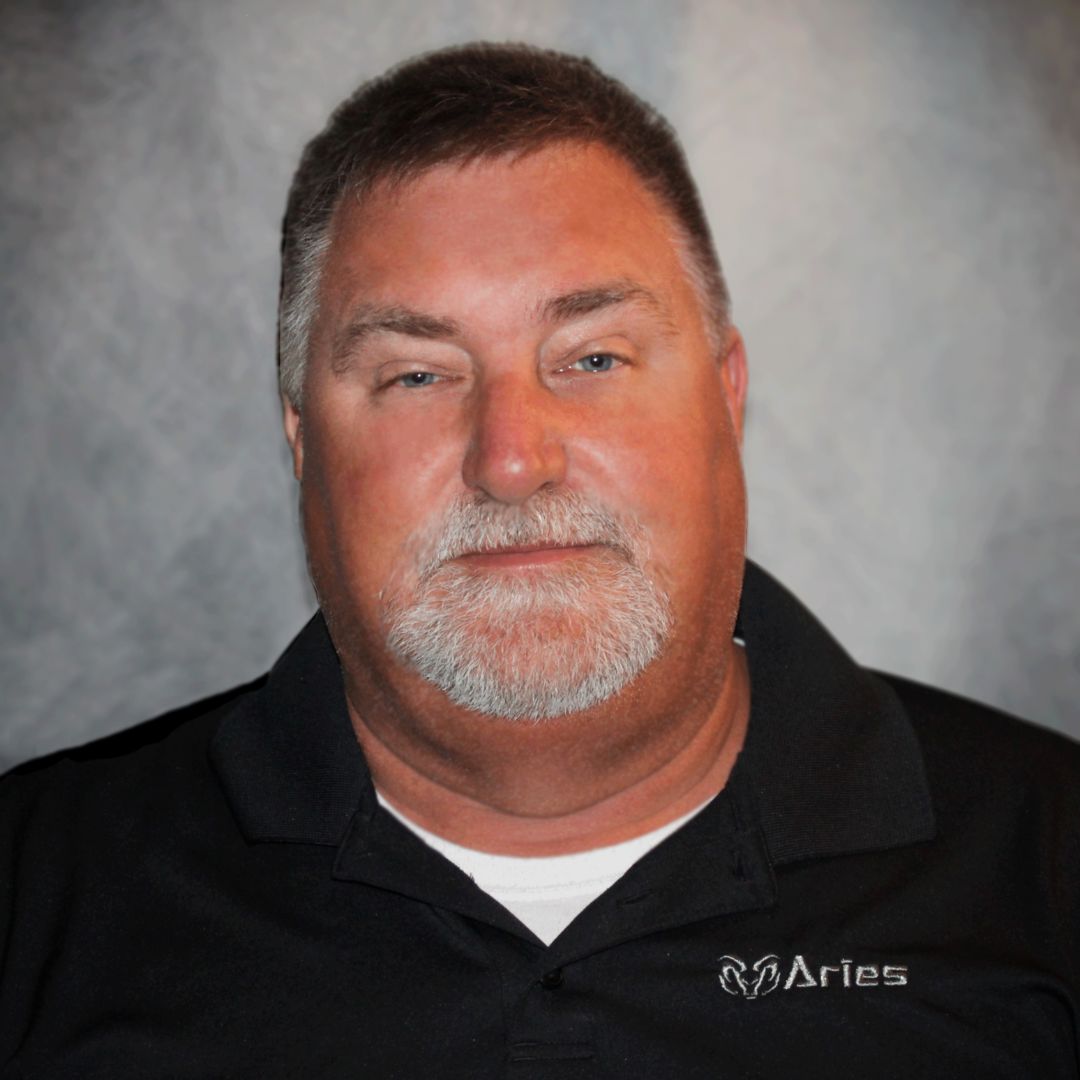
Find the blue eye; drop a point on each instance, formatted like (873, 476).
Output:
(417, 378)
(595, 362)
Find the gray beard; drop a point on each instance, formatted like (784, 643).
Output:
(541, 643)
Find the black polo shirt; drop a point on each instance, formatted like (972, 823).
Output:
(886, 888)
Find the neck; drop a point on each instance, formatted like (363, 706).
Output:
(560, 786)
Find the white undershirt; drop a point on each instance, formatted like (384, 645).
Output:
(547, 892)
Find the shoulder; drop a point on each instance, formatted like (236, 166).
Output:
(74, 820)
(125, 766)
(95, 836)
(953, 727)
(985, 764)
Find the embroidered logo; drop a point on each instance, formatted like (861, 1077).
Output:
(755, 980)
(763, 976)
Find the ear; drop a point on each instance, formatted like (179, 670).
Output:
(734, 377)
(294, 433)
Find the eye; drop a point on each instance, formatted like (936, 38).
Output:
(417, 378)
(596, 362)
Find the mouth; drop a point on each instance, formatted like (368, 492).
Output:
(525, 555)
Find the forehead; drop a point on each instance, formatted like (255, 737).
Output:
(499, 231)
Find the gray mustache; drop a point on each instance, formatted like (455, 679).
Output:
(559, 519)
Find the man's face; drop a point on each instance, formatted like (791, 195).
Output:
(518, 450)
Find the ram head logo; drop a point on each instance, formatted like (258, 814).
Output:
(762, 976)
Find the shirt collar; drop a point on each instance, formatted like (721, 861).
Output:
(831, 764)
(287, 755)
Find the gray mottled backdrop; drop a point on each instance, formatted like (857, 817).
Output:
(895, 190)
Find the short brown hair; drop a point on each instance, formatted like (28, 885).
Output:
(457, 105)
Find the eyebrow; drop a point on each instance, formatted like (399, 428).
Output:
(581, 302)
(371, 319)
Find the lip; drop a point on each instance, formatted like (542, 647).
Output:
(525, 555)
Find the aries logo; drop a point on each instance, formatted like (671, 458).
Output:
(763, 976)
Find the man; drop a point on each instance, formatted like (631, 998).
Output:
(556, 784)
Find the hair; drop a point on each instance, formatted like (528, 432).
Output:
(459, 105)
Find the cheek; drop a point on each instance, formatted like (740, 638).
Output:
(368, 488)
(682, 479)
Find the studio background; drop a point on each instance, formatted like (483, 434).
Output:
(894, 186)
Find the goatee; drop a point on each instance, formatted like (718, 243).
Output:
(541, 642)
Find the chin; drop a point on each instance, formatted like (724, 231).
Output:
(532, 647)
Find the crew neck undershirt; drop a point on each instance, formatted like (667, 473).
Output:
(546, 893)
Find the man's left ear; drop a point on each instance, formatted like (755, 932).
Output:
(734, 377)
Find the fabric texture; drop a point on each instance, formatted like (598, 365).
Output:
(886, 887)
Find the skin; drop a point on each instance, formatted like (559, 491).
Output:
(509, 407)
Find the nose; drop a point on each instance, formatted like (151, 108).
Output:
(515, 446)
